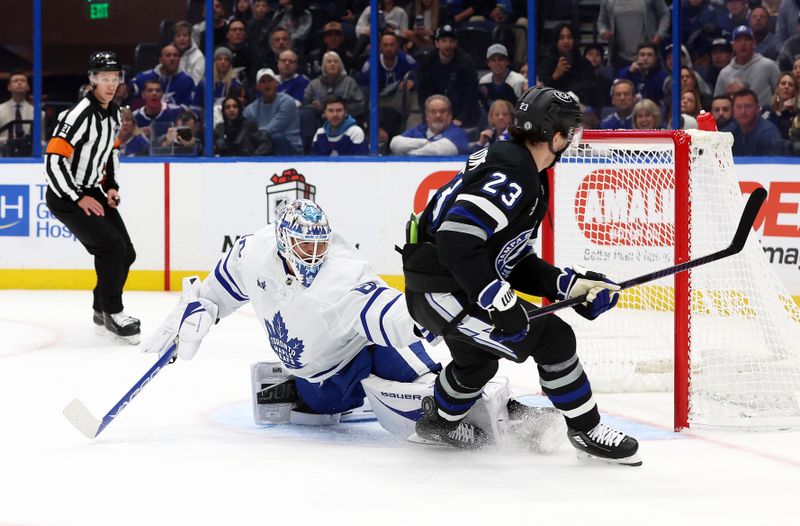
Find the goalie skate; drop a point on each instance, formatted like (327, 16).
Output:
(434, 430)
(605, 444)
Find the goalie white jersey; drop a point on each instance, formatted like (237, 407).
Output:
(313, 330)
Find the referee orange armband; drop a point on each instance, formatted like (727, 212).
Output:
(59, 146)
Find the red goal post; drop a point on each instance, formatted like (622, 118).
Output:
(630, 201)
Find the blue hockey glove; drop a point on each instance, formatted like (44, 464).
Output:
(601, 292)
(508, 316)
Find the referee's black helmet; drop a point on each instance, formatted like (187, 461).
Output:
(104, 61)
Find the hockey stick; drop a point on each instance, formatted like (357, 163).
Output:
(80, 417)
(746, 222)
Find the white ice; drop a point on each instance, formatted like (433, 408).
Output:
(186, 450)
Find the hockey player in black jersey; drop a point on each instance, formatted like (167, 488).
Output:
(468, 253)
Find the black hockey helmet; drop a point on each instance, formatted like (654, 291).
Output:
(546, 111)
(104, 61)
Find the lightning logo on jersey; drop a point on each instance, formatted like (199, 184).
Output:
(288, 350)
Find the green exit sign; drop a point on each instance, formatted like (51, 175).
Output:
(98, 11)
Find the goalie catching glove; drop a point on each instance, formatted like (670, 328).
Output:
(508, 316)
(601, 292)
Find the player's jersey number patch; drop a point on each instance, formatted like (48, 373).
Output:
(509, 192)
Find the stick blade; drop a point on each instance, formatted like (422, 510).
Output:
(748, 218)
(79, 416)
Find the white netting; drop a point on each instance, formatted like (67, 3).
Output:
(614, 213)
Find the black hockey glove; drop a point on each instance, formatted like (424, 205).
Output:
(601, 292)
(508, 316)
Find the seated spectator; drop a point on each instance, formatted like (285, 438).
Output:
(339, 135)
(334, 81)
(721, 55)
(623, 99)
(565, 69)
(237, 136)
(722, 110)
(293, 16)
(690, 79)
(425, 17)
(601, 77)
(438, 135)
(258, 26)
(449, 71)
(192, 62)
(155, 116)
(394, 67)
(783, 106)
(765, 41)
(236, 42)
(124, 95)
(696, 15)
(690, 103)
(220, 28)
(646, 115)
(790, 50)
(796, 70)
(178, 87)
(225, 77)
(332, 40)
(132, 142)
(292, 83)
(15, 141)
(646, 73)
(392, 17)
(501, 83)
(241, 11)
(267, 58)
(737, 14)
(276, 115)
(183, 138)
(759, 72)
(752, 135)
(786, 24)
(500, 118)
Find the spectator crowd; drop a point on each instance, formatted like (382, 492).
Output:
(292, 77)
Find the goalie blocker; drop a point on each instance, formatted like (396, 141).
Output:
(398, 405)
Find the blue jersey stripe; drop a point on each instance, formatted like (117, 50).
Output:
(227, 273)
(366, 308)
(463, 212)
(380, 319)
(222, 281)
(419, 351)
(580, 392)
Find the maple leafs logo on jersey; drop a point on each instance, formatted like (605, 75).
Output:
(288, 350)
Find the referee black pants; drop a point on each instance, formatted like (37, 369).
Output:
(106, 238)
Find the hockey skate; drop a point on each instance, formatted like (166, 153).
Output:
(432, 429)
(123, 327)
(605, 444)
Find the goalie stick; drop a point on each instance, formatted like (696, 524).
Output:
(746, 222)
(80, 417)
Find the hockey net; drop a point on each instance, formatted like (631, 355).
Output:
(724, 336)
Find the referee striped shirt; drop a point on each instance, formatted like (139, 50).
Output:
(84, 149)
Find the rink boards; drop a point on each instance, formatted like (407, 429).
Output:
(183, 215)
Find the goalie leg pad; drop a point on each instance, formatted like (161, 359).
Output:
(274, 393)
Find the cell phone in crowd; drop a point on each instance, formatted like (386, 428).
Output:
(419, 21)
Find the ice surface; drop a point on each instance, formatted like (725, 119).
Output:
(186, 450)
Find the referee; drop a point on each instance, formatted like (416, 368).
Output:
(81, 162)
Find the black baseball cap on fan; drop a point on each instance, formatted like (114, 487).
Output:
(104, 61)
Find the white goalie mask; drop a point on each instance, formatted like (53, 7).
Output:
(303, 236)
